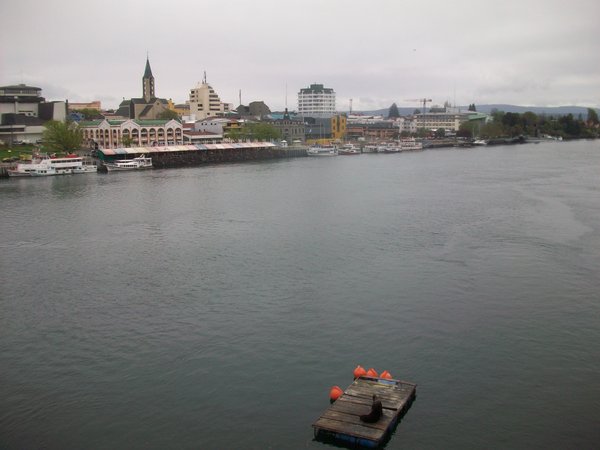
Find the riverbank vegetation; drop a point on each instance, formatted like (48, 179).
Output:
(16, 152)
(59, 138)
(255, 131)
(62, 137)
(534, 125)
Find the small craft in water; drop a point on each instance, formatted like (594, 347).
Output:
(43, 165)
(410, 144)
(141, 162)
(349, 149)
(322, 150)
(390, 148)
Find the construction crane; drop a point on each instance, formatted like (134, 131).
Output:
(420, 100)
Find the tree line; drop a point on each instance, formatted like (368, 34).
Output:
(534, 125)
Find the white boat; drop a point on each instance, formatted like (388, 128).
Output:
(480, 142)
(349, 149)
(141, 162)
(390, 148)
(370, 148)
(410, 144)
(43, 165)
(322, 150)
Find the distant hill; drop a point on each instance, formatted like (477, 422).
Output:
(555, 111)
(551, 111)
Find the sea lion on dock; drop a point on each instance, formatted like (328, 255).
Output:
(376, 411)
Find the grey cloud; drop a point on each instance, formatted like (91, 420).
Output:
(532, 52)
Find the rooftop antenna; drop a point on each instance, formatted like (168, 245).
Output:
(204, 78)
(350, 106)
(240, 96)
(286, 95)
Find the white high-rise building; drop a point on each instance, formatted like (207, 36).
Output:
(204, 102)
(316, 101)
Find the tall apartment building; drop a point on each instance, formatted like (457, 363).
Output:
(204, 102)
(316, 101)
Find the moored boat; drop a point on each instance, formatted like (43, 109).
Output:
(141, 162)
(43, 165)
(322, 150)
(390, 147)
(410, 144)
(371, 148)
(348, 149)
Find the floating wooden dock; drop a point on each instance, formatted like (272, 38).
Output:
(341, 421)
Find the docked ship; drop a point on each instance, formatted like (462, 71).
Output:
(43, 165)
(348, 149)
(141, 162)
(389, 148)
(410, 144)
(370, 148)
(322, 150)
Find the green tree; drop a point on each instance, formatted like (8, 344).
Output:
(235, 134)
(592, 116)
(423, 132)
(467, 129)
(90, 113)
(257, 131)
(393, 112)
(492, 129)
(472, 107)
(440, 133)
(262, 131)
(63, 137)
(571, 128)
(529, 122)
(497, 115)
(127, 141)
(169, 114)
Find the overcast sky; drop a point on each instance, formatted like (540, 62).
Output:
(377, 52)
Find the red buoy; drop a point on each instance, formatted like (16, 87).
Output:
(359, 372)
(372, 373)
(335, 393)
(386, 374)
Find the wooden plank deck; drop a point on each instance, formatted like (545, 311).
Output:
(341, 421)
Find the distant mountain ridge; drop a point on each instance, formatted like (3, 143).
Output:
(548, 110)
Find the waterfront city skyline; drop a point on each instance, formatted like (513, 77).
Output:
(534, 53)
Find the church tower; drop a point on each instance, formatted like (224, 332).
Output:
(148, 83)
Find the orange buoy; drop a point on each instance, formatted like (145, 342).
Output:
(386, 374)
(372, 373)
(335, 393)
(359, 372)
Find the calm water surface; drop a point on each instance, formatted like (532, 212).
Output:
(214, 307)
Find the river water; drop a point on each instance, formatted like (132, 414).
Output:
(214, 307)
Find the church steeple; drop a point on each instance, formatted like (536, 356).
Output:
(148, 83)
